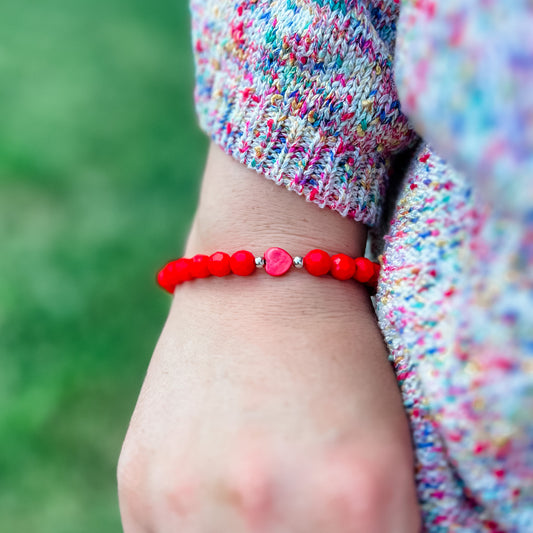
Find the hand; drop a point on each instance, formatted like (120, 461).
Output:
(269, 404)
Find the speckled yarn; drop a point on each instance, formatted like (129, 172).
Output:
(454, 304)
(303, 91)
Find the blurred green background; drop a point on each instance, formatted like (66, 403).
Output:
(100, 159)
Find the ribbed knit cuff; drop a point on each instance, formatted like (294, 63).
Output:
(303, 95)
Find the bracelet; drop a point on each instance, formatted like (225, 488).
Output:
(275, 262)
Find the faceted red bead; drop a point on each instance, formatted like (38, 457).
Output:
(179, 270)
(364, 269)
(199, 266)
(174, 273)
(317, 262)
(242, 263)
(373, 281)
(342, 267)
(164, 280)
(219, 264)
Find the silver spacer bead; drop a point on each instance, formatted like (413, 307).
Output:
(259, 262)
(298, 262)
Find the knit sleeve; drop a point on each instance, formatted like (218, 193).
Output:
(465, 76)
(302, 91)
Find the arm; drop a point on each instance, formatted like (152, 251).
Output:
(269, 404)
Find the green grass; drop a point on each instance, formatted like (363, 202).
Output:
(100, 158)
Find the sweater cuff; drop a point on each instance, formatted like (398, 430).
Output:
(307, 100)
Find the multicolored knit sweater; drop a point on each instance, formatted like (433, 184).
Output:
(315, 95)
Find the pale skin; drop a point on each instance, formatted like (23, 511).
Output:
(269, 405)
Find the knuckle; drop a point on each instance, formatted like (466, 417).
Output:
(123, 465)
(154, 485)
(130, 471)
(179, 494)
(131, 483)
(249, 487)
(367, 492)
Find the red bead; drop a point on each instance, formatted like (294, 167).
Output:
(164, 280)
(364, 269)
(342, 267)
(199, 266)
(242, 263)
(317, 262)
(219, 264)
(374, 279)
(179, 270)
(174, 273)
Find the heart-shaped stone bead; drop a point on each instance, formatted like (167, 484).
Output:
(277, 261)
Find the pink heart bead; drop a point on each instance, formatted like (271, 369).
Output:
(277, 261)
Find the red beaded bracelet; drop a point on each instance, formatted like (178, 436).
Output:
(275, 261)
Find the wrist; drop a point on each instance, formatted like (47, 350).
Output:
(239, 209)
